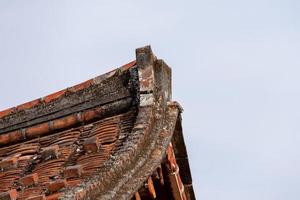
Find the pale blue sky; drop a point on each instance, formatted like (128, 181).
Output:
(236, 68)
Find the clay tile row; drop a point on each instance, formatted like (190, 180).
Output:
(50, 126)
(50, 164)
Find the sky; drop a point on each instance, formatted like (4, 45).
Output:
(235, 66)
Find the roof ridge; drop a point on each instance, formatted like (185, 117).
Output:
(55, 95)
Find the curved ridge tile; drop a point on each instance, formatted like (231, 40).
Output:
(110, 137)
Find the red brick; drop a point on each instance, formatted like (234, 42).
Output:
(30, 180)
(9, 195)
(56, 185)
(73, 171)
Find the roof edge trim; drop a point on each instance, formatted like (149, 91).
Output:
(59, 94)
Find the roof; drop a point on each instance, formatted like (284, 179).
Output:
(117, 136)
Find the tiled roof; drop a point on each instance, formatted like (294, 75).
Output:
(117, 136)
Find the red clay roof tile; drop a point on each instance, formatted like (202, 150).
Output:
(9, 195)
(28, 105)
(54, 96)
(29, 180)
(56, 185)
(73, 171)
